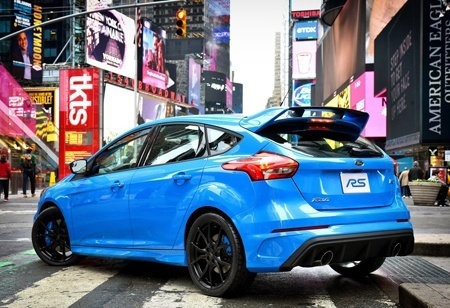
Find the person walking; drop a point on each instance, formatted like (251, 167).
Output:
(442, 194)
(28, 165)
(5, 176)
(403, 179)
(415, 173)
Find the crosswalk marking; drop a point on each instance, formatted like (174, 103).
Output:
(61, 289)
(28, 212)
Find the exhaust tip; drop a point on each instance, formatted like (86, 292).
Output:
(397, 249)
(326, 257)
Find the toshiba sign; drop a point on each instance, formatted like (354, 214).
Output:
(79, 114)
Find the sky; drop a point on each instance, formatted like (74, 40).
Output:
(252, 47)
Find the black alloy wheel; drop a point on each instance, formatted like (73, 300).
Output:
(51, 239)
(358, 268)
(216, 257)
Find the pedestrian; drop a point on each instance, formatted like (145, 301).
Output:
(28, 165)
(5, 176)
(416, 173)
(442, 194)
(403, 179)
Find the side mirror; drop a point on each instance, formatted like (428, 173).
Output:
(78, 166)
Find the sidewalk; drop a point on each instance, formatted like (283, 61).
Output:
(432, 238)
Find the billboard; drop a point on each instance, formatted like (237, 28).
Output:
(217, 36)
(195, 73)
(46, 120)
(215, 87)
(28, 46)
(152, 66)
(362, 99)
(435, 73)
(304, 59)
(119, 112)
(110, 41)
(301, 95)
(342, 52)
(79, 114)
(305, 30)
(17, 110)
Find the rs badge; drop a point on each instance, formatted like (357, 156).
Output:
(353, 183)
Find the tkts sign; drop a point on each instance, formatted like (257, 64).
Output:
(79, 114)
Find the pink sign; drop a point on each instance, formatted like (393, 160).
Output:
(361, 93)
(17, 110)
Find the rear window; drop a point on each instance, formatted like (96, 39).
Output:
(326, 146)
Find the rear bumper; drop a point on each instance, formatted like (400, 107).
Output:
(345, 248)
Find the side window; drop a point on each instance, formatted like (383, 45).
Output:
(220, 141)
(122, 154)
(176, 143)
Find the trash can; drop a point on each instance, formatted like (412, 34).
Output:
(16, 182)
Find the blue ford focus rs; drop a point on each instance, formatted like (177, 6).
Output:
(231, 196)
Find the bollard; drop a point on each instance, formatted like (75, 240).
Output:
(52, 180)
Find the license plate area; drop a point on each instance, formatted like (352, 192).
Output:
(354, 183)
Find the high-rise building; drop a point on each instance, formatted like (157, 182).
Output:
(275, 99)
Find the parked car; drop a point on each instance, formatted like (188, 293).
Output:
(232, 196)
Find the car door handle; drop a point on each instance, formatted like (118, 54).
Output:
(180, 178)
(116, 186)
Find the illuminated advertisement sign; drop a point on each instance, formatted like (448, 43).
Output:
(27, 46)
(301, 95)
(304, 60)
(153, 62)
(217, 36)
(229, 93)
(221, 34)
(305, 30)
(45, 102)
(362, 99)
(215, 87)
(195, 74)
(79, 114)
(302, 5)
(17, 110)
(110, 41)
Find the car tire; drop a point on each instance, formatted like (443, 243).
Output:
(358, 268)
(51, 239)
(216, 257)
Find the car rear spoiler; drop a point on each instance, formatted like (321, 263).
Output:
(273, 117)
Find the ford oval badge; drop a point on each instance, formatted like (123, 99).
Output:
(359, 163)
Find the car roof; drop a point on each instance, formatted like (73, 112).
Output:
(272, 118)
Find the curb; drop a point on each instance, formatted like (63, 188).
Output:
(418, 295)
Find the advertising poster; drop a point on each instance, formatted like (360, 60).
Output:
(79, 114)
(27, 46)
(152, 108)
(301, 95)
(306, 30)
(215, 87)
(195, 74)
(217, 38)
(110, 41)
(229, 93)
(17, 110)
(304, 59)
(45, 102)
(362, 99)
(153, 59)
(119, 112)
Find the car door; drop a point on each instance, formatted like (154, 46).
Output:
(99, 201)
(162, 189)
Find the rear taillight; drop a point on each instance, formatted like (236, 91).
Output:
(264, 166)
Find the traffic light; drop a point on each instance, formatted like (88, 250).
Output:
(181, 23)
